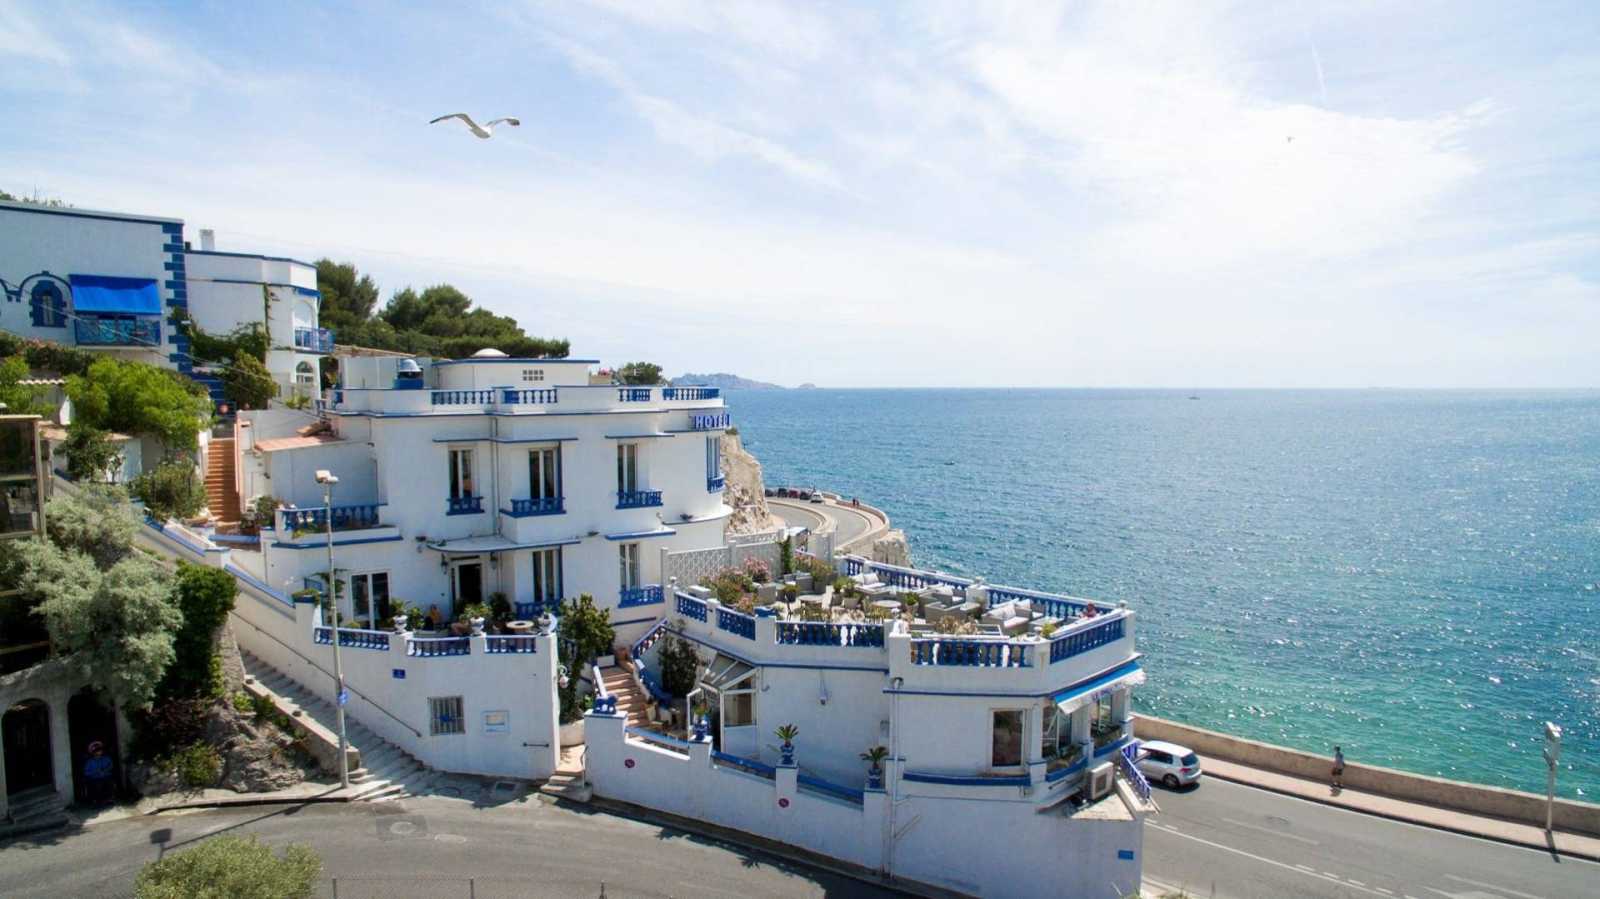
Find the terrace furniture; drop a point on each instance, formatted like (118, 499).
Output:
(698, 591)
(888, 605)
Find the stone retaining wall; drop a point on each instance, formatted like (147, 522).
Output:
(1511, 805)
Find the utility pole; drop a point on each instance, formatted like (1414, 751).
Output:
(327, 480)
(1552, 755)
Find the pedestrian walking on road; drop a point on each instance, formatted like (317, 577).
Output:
(1338, 769)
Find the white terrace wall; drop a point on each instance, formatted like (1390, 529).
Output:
(390, 688)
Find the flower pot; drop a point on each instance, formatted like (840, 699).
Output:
(459, 628)
(476, 624)
(400, 622)
(572, 734)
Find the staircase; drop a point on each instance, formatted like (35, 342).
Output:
(631, 701)
(31, 810)
(211, 383)
(386, 772)
(222, 498)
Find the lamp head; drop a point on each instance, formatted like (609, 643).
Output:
(325, 476)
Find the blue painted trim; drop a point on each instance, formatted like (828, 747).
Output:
(252, 256)
(306, 291)
(370, 414)
(1096, 682)
(246, 281)
(1019, 780)
(523, 361)
(444, 548)
(637, 436)
(640, 535)
(165, 223)
(754, 664)
(250, 579)
(1112, 747)
(504, 440)
(1059, 773)
(999, 695)
(278, 544)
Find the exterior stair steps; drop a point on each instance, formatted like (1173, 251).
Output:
(631, 701)
(386, 772)
(221, 496)
(569, 780)
(34, 810)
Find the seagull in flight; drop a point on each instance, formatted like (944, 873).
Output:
(482, 131)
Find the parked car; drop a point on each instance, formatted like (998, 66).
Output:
(816, 495)
(1169, 764)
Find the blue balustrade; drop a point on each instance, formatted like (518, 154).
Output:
(694, 608)
(539, 505)
(313, 340)
(1081, 641)
(650, 736)
(345, 518)
(827, 788)
(643, 644)
(509, 644)
(750, 766)
(529, 396)
(1051, 604)
(353, 638)
(464, 505)
(716, 484)
(690, 393)
(638, 499)
(709, 421)
(969, 653)
(463, 397)
(852, 565)
(736, 623)
(642, 595)
(633, 394)
(92, 331)
(430, 647)
(822, 633)
(1136, 779)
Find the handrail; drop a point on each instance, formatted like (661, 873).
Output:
(643, 644)
(837, 791)
(431, 647)
(1085, 637)
(650, 736)
(309, 661)
(509, 644)
(750, 766)
(355, 638)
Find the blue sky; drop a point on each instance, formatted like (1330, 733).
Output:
(1186, 194)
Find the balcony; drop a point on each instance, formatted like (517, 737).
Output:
(690, 393)
(716, 484)
(633, 394)
(642, 595)
(532, 401)
(462, 397)
(128, 332)
(345, 518)
(542, 505)
(530, 396)
(313, 340)
(638, 499)
(464, 505)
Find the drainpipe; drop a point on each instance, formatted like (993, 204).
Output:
(892, 775)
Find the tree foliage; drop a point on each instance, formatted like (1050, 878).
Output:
(136, 398)
(436, 321)
(640, 373)
(246, 340)
(172, 490)
(248, 383)
(21, 399)
(680, 666)
(586, 632)
(99, 522)
(230, 867)
(45, 356)
(91, 455)
(205, 596)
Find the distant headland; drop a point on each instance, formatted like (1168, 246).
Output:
(725, 381)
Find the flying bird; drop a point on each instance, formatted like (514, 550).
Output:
(482, 131)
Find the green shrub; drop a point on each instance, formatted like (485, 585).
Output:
(680, 666)
(230, 867)
(586, 632)
(91, 455)
(197, 765)
(248, 383)
(205, 595)
(173, 490)
(263, 707)
(243, 703)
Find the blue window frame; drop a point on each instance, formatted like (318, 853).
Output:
(49, 307)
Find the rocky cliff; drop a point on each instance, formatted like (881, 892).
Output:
(745, 492)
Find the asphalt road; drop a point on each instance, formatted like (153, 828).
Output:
(1236, 842)
(430, 847)
(848, 523)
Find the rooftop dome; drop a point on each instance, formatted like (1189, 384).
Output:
(489, 352)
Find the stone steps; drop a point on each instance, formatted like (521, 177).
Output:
(386, 772)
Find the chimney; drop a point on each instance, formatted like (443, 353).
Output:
(208, 240)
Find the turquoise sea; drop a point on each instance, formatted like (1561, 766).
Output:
(1412, 575)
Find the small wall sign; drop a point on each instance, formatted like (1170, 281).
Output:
(783, 803)
(399, 673)
(496, 722)
(627, 763)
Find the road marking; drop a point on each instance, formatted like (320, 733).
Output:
(1382, 890)
(1490, 886)
(1331, 878)
(1276, 833)
(1357, 882)
(1306, 868)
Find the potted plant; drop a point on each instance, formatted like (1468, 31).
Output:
(787, 733)
(471, 620)
(874, 758)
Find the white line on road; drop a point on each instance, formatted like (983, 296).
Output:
(1357, 882)
(1490, 886)
(1331, 878)
(1306, 868)
(1276, 833)
(1384, 891)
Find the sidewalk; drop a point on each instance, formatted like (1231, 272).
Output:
(1415, 813)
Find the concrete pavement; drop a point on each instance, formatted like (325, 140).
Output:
(850, 525)
(430, 847)
(1232, 841)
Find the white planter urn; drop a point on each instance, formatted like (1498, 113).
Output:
(477, 626)
(400, 622)
(572, 734)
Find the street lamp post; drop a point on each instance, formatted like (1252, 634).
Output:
(327, 480)
(1552, 755)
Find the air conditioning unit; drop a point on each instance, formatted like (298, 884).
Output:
(1102, 780)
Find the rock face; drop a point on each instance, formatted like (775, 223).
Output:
(745, 492)
(892, 548)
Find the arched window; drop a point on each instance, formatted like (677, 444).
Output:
(305, 375)
(49, 307)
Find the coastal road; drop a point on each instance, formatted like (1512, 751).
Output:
(432, 847)
(1231, 841)
(849, 524)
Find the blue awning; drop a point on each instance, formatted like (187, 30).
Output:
(1078, 695)
(104, 293)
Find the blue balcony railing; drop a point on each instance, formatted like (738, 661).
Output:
(822, 633)
(117, 332)
(353, 638)
(715, 484)
(511, 644)
(528, 396)
(638, 499)
(528, 611)
(463, 397)
(709, 421)
(693, 608)
(464, 505)
(642, 595)
(345, 518)
(633, 394)
(313, 340)
(1079, 642)
(429, 647)
(969, 653)
(736, 623)
(539, 505)
(690, 393)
